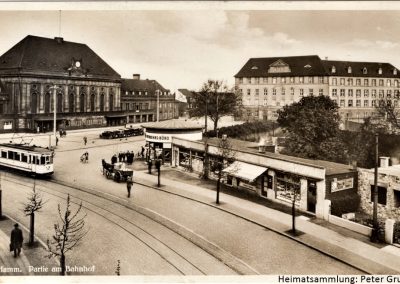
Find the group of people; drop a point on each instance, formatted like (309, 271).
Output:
(85, 157)
(125, 157)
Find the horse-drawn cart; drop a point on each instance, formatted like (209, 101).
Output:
(118, 172)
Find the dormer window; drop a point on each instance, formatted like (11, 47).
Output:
(126, 92)
(254, 68)
(333, 70)
(349, 69)
(394, 71)
(307, 66)
(380, 71)
(365, 70)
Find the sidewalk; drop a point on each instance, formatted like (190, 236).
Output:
(342, 244)
(30, 257)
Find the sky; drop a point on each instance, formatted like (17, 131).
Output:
(184, 47)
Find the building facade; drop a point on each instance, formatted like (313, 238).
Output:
(139, 99)
(267, 84)
(40, 75)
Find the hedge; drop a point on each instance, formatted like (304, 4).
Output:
(345, 204)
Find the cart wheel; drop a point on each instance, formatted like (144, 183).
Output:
(117, 177)
(108, 174)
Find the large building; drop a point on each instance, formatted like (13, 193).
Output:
(139, 100)
(36, 70)
(267, 84)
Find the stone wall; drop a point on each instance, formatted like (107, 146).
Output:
(391, 183)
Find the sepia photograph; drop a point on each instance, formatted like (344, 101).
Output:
(200, 141)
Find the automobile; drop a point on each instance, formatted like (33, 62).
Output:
(120, 133)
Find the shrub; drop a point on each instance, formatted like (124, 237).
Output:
(345, 204)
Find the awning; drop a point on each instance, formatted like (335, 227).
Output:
(244, 171)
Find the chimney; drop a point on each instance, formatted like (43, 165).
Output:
(59, 39)
(326, 57)
(384, 162)
(136, 76)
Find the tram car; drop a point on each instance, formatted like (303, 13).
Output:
(30, 159)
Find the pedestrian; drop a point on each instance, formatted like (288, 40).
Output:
(149, 164)
(16, 240)
(129, 183)
(114, 159)
(119, 157)
(84, 140)
(142, 151)
(86, 157)
(56, 141)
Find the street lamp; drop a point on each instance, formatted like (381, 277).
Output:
(374, 234)
(158, 167)
(205, 167)
(158, 104)
(54, 112)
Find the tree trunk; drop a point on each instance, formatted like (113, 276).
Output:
(215, 124)
(218, 186)
(32, 229)
(62, 264)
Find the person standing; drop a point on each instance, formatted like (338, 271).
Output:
(85, 140)
(129, 183)
(56, 141)
(16, 240)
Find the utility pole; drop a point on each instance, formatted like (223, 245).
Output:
(205, 166)
(1, 200)
(374, 235)
(158, 105)
(294, 213)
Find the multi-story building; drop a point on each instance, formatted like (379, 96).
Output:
(37, 71)
(267, 84)
(140, 97)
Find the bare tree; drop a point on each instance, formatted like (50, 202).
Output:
(34, 204)
(388, 115)
(226, 156)
(68, 234)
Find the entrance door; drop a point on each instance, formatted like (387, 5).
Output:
(167, 156)
(311, 195)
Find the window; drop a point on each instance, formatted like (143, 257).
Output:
(350, 103)
(358, 82)
(274, 80)
(311, 92)
(366, 82)
(388, 82)
(358, 103)
(382, 191)
(396, 83)
(350, 81)
(395, 103)
(320, 79)
(389, 93)
(373, 93)
(283, 91)
(257, 80)
(283, 80)
(334, 81)
(342, 92)
(301, 92)
(374, 82)
(358, 93)
(373, 103)
(257, 92)
(292, 91)
(274, 91)
(265, 92)
(333, 70)
(82, 103)
(396, 195)
(380, 71)
(334, 92)
(321, 92)
(291, 79)
(342, 103)
(24, 158)
(350, 92)
(301, 79)
(396, 94)
(381, 94)
(366, 103)
(4, 154)
(311, 80)
(394, 71)
(248, 92)
(366, 93)
(365, 71)
(349, 69)
(381, 82)
(102, 102)
(342, 81)
(240, 80)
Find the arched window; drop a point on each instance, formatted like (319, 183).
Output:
(34, 103)
(102, 102)
(59, 102)
(92, 102)
(333, 69)
(349, 69)
(47, 103)
(365, 71)
(82, 103)
(111, 101)
(71, 102)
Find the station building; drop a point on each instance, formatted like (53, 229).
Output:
(272, 176)
(268, 84)
(38, 70)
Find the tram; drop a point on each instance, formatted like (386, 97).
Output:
(30, 159)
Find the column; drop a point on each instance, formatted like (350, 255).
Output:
(97, 102)
(321, 190)
(41, 98)
(303, 194)
(66, 98)
(271, 193)
(77, 99)
(106, 99)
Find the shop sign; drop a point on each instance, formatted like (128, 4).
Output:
(158, 137)
(342, 184)
(167, 145)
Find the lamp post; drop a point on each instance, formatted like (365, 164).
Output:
(220, 167)
(158, 167)
(374, 234)
(54, 112)
(205, 175)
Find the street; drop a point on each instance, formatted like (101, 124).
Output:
(119, 231)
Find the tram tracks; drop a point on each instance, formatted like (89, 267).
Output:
(169, 254)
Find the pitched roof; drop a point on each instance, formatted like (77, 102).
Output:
(186, 92)
(309, 65)
(357, 69)
(45, 56)
(141, 85)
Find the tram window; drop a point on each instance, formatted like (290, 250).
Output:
(17, 156)
(4, 154)
(47, 160)
(42, 160)
(11, 155)
(24, 158)
(33, 159)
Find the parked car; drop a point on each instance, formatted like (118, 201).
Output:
(120, 133)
